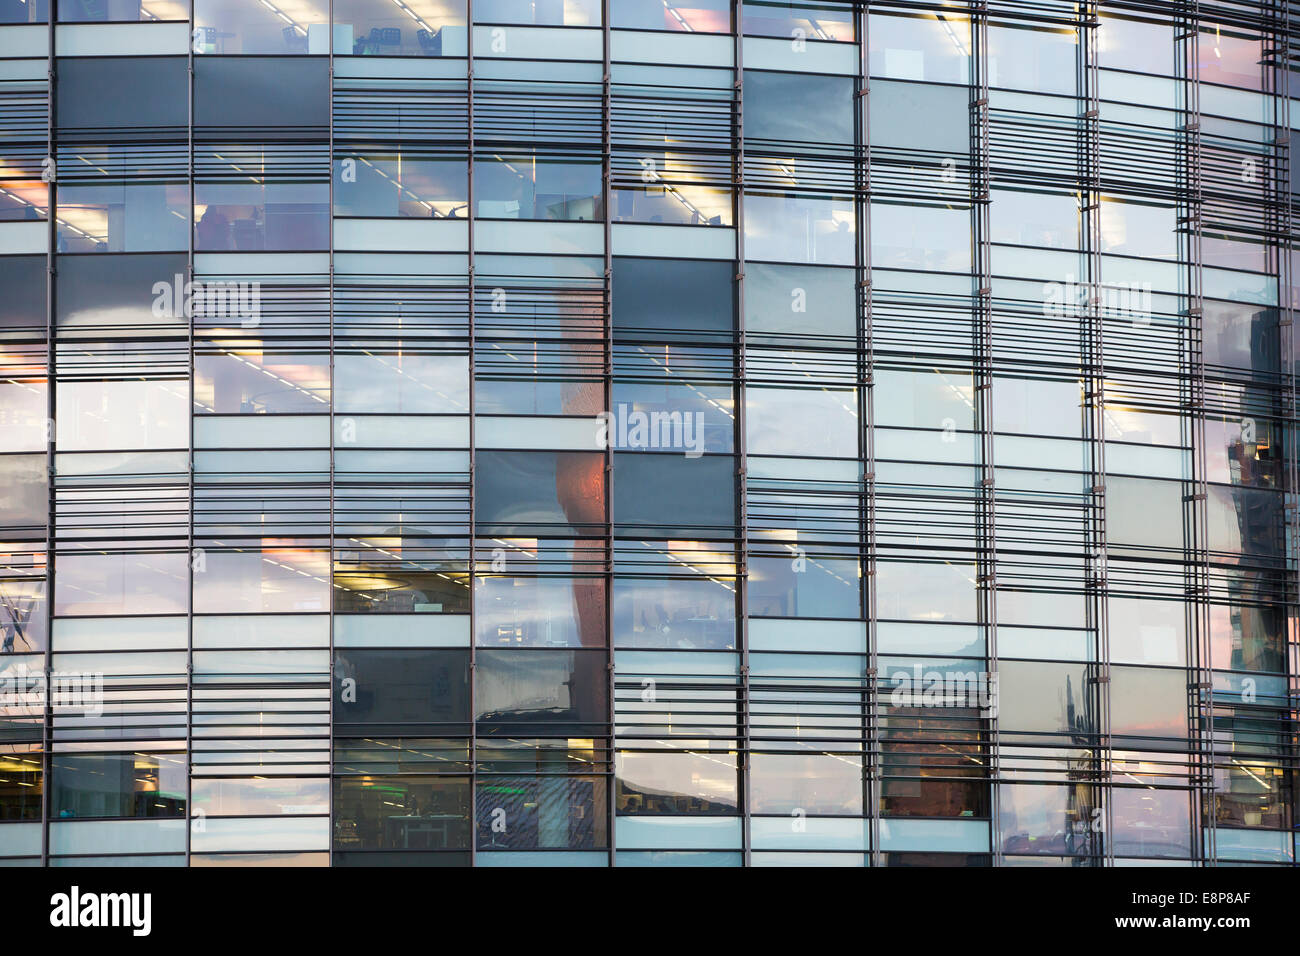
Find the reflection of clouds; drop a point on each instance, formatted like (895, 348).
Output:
(118, 315)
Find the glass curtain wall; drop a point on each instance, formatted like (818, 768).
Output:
(611, 432)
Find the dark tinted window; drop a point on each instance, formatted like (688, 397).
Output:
(261, 91)
(693, 494)
(404, 690)
(97, 93)
(23, 303)
(798, 108)
(116, 290)
(694, 296)
(540, 492)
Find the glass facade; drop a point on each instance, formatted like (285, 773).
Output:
(611, 432)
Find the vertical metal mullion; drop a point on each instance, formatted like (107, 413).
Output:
(986, 524)
(1279, 220)
(472, 580)
(190, 557)
(608, 385)
(741, 470)
(1094, 378)
(330, 552)
(864, 346)
(51, 371)
(1287, 349)
(1192, 374)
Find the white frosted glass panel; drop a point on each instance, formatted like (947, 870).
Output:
(1043, 644)
(22, 69)
(772, 634)
(534, 432)
(1147, 632)
(1148, 460)
(1244, 105)
(130, 862)
(123, 463)
(679, 242)
(811, 57)
(119, 633)
(261, 431)
(554, 238)
(118, 665)
(1015, 452)
(725, 664)
(117, 836)
(1240, 286)
(408, 431)
(1144, 274)
(274, 833)
(121, 39)
(812, 666)
(33, 41)
(905, 445)
(400, 234)
(801, 469)
(401, 630)
(890, 280)
(717, 833)
(401, 462)
(262, 630)
(386, 67)
(807, 859)
(950, 836)
(20, 839)
(540, 44)
(1041, 609)
(262, 662)
(492, 858)
(897, 637)
(385, 264)
(1157, 91)
(800, 832)
(17, 238)
(244, 263)
(644, 47)
(1047, 264)
(659, 858)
